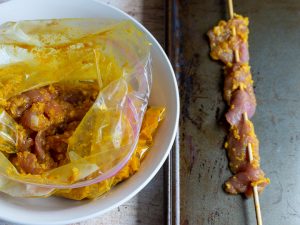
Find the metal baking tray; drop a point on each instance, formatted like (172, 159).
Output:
(274, 57)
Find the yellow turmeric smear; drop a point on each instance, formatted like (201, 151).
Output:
(254, 144)
(262, 180)
(239, 74)
(235, 132)
(245, 20)
(226, 145)
(241, 157)
(75, 174)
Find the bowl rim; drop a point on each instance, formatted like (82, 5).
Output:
(171, 142)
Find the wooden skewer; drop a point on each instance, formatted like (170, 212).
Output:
(255, 191)
(250, 151)
(230, 6)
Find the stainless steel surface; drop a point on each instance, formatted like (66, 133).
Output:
(275, 55)
(173, 163)
(176, 183)
(172, 186)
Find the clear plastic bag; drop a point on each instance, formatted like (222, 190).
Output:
(38, 53)
(151, 121)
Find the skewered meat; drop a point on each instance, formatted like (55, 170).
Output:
(223, 43)
(236, 77)
(236, 145)
(243, 181)
(229, 44)
(242, 101)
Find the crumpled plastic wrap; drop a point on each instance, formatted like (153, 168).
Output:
(38, 53)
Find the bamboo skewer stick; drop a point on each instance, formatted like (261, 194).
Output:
(230, 6)
(249, 147)
(255, 191)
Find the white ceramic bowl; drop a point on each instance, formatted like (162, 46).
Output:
(164, 93)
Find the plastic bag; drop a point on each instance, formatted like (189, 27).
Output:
(152, 118)
(116, 54)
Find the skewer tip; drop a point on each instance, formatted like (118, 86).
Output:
(230, 6)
